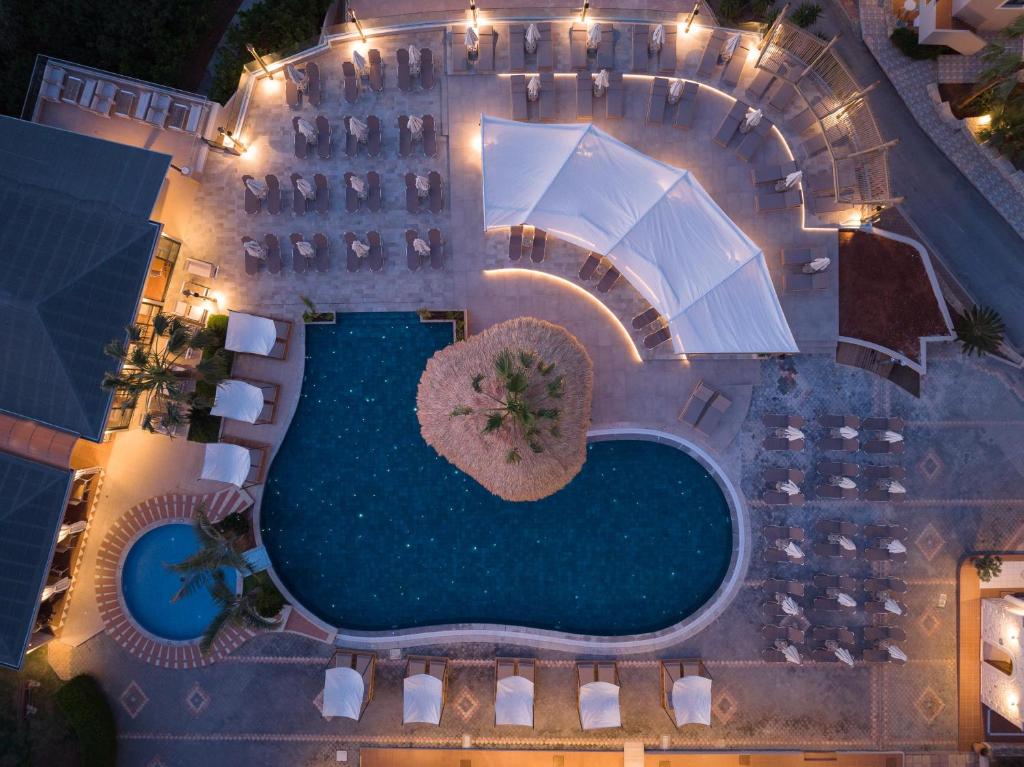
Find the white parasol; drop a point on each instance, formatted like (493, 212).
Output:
(359, 129)
(533, 88)
(358, 62)
(789, 487)
(305, 249)
(846, 432)
(297, 77)
(752, 118)
(845, 599)
(895, 487)
(891, 436)
(657, 39)
(415, 126)
(791, 653)
(892, 606)
(307, 129)
(789, 606)
(305, 188)
(593, 37)
(844, 655)
(794, 178)
(791, 433)
(820, 264)
(254, 249)
(56, 588)
(414, 60)
(532, 38)
(600, 83)
(846, 543)
(257, 187)
(895, 546)
(357, 183)
(895, 652)
(844, 482)
(421, 247)
(793, 551)
(675, 92)
(360, 248)
(422, 186)
(730, 47)
(472, 39)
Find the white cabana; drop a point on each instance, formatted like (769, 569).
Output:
(599, 705)
(250, 334)
(691, 700)
(238, 400)
(343, 693)
(226, 463)
(655, 223)
(513, 701)
(422, 698)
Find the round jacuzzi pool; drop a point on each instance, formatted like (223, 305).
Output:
(149, 586)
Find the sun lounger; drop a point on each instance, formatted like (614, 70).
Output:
(798, 282)
(429, 136)
(517, 97)
(436, 248)
(615, 98)
(753, 140)
(876, 585)
(821, 655)
(799, 257)
(436, 196)
(376, 71)
(413, 259)
(607, 282)
(313, 90)
(835, 492)
(404, 70)
(885, 423)
(840, 444)
(687, 109)
(778, 498)
(348, 70)
(641, 320)
(875, 554)
(881, 495)
(777, 586)
(770, 201)
(780, 421)
(772, 172)
(760, 84)
(734, 67)
(404, 136)
(273, 194)
(252, 264)
(773, 554)
(878, 608)
(300, 205)
(548, 97)
(658, 100)
(873, 655)
(323, 193)
(376, 257)
(836, 527)
(352, 201)
(323, 138)
(539, 249)
(301, 143)
(844, 582)
(578, 46)
(299, 263)
(783, 97)
(838, 469)
(158, 110)
(882, 633)
(833, 634)
(517, 47)
(697, 403)
(253, 204)
(658, 337)
(485, 61)
(789, 634)
(545, 51)
(322, 249)
(374, 193)
(885, 472)
(274, 263)
(426, 69)
(606, 49)
(351, 142)
(781, 443)
(777, 474)
(833, 551)
(589, 267)
(641, 53)
(709, 59)
(881, 446)
(103, 99)
(515, 243)
(53, 82)
(292, 94)
(885, 531)
(352, 261)
(714, 413)
(584, 96)
(412, 196)
(771, 655)
(667, 54)
(730, 123)
(373, 140)
(802, 122)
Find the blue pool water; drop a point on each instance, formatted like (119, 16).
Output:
(148, 586)
(370, 529)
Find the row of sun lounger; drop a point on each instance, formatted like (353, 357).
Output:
(580, 57)
(320, 258)
(545, 109)
(589, 272)
(838, 443)
(705, 408)
(432, 200)
(685, 110)
(374, 138)
(664, 60)
(541, 60)
(778, 538)
(538, 247)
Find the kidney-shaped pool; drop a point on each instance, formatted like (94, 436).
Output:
(371, 530)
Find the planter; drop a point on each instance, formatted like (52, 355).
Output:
(320, 318)
(459, 319)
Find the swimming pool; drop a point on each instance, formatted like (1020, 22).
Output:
(371, 530)
(148, 585)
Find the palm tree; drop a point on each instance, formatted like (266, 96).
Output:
(979, 330)
(158, 371)
(520, 400)
(216, 552)
(235, 609)
(1002, 64)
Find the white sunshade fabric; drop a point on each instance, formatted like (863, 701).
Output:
(238, 400)
(421, 699)
(226, 463)
(513, 701)
(655, 222)
(250, 334)
(599, 705)
(691, 700)
(343, 693)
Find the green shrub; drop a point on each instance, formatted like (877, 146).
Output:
(906, 40)
(269, 601)
(218, 325)
(88, 712)
(731, 10)
(805, 14)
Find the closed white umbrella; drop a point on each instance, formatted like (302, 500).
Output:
(343, 693)
(513, 701)
(357, 184)
(792, 654)
(844, 655)
(691, 700)
(414, 60)
(56, 588)
(307, 129)
(844, 482)
(306, 189)
(845, 599)
(895, 487)
(250, 334)
(415, 126)
(254, 249)
(297, 77)
(791, 433)
(789, 487)
(892, 436)
(225, 462)
(358, 62)
(359, 129)
(422, 186)
(257, 187)
(847, 433)
(361, 249)
(896, 546)
(846, 543)
(789, 606)
(730, 46)
(421, 699)
(305, 249)
(896, 653)
(533, 88)
(657, 38)
(532, 38)
(472, 39)
(675, 91)
(594, 36)
(752, 118)
(794, 178)
(793, 551)
(600, 82)
(892, 606)
(599, 705)
(238, 400)
(421, 247)
(820, 264)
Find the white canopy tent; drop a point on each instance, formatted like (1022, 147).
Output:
(226, 463)
(655, 222)
(513, 701)
(238, 400)
(343, 693)
(422, 699)
(250, 334)
(691, 700)
(599, 705)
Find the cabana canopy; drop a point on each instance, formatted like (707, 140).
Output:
(238, 400)
(226, 463)
(599, 705)
(343, 693)
(655, 222)
(513, 701)
(422, 699)
(691, 700)
(250, 334)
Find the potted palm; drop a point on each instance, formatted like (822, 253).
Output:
(242, 610)
(979, 330)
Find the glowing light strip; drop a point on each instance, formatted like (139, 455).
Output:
(514, 271)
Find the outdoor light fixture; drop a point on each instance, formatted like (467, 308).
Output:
(359, 27)
(237, 145)
(259, 59)
(692, 16)
(583, 13)
(984, 119)
(472, 7)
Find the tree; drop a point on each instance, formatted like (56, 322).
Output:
(240, 610)
(988, 566)
(1005, 133)
(522, 390)
(1002, 64)
(216, 553)
(805, 14)
(158, 372)
(979, 330)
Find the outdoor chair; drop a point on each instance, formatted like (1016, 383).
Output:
(640, 36)
(352, 200)
(348, 70)
(777, 474)
(584, 96)
(885, 472)
(843, 582)
(783, 97)
(770, 201)
(322, 250)
(373, 140)
(833, 551)
(436, 248)
(323, 138)
(412, 258)
(412, 195)
(881, 633)
(301, 142)
(773, 633)
(643, 319)
(517, 47)
(606, 49)
(697, 403)
(548, 97)
(836, 527)
(376, 258)
(515, 243)
(273, 194)
(778, 586)
(730, 124)
(774, 533)
(779, 421)
(608, 281)
(274, 263)
(351, 142)
(769, 174)
(709, 58)
(253, 204)
(615, 98)
(760, 84)
(299, 262)
(404, 70)
(374, 193)
(426, 69)
(798, 282)
(352, 260)
(881, 446)
(734, 66)
(658, 100)
(323, 193)
(667, 54)
(429, 136)
(658, 337)
(517, 97)
(838, 469)
(485, 61)
(376, 70)
(753, 140)
(253, 265)
(833, 634)
(884, 423)
(545, 51)
(300, 205)
(589, 267)
(578, 46)
(686, 111)
(313, 93)
(539, 249)
(835, 492)
(436, 194)
(404, 136)
(775, 555)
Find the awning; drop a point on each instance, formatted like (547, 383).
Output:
(513, 701)
(238, 400)
(599, 705)
(250, 334)
(343, 693)
(226, 463)
(655, 222)
(691, 700)
(422, 699)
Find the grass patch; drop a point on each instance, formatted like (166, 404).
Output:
(87, 710)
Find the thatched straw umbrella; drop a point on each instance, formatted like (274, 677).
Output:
(463, 388)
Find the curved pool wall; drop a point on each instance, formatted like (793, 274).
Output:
(737, 560)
